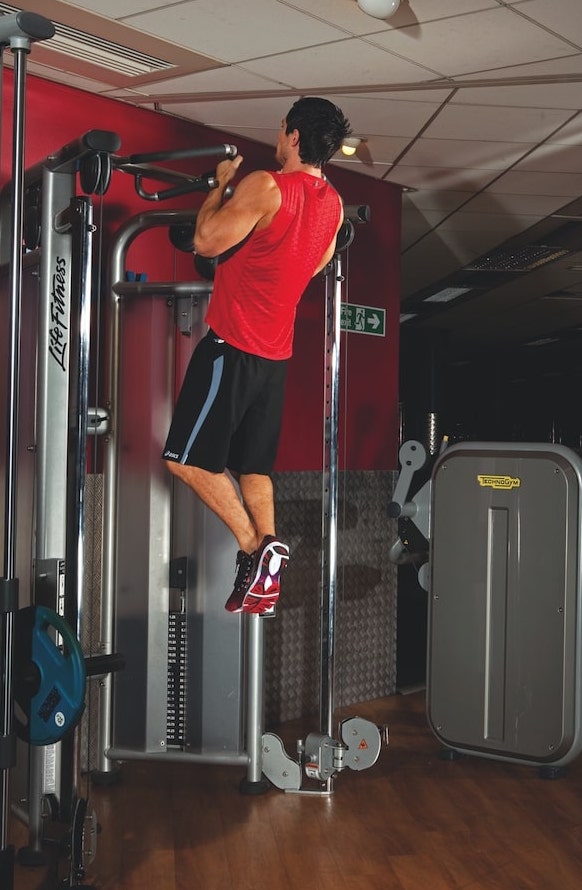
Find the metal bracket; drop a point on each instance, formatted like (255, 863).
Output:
(98, 421)
(321, 756)
(185, 307)
(8, 595)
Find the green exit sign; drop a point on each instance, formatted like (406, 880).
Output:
(363, 319)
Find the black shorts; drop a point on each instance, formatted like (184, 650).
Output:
(229, 410)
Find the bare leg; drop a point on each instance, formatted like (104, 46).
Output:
(257, 494)
(219, 494)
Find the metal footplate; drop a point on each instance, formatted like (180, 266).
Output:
(321, 756)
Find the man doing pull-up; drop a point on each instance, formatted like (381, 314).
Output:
(228, 413)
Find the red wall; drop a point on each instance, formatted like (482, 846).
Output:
(56, 115)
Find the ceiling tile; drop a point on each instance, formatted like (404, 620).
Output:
(429, 260)
(416, 224)
(349, 16)
(570, 133)
(440, 177)
(264, 113)
(480, 41)
(497, 124)
(434, 199)
(534, 95)
(521, 205)
(553, 156)
(385, 117)
(375, 170)
(349, 62)
(464, 153)
(564, 17)
(226, 31)
(558, 184)
(117, 9)
(501, 225)
(229, 79)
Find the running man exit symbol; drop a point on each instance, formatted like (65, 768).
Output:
(363, 319)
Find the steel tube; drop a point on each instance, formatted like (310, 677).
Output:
(330, 494)
(254, 740)
(12, 408)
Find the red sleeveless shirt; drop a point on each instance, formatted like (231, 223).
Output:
(256, 291)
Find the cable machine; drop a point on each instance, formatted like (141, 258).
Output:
(48, 678)
(17, 31)
(194, 691)
(49, 289)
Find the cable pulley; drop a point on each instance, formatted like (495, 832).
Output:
(95, 172)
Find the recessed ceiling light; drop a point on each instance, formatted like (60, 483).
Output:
(447, 294)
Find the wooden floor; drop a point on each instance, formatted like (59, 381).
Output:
(411, 822)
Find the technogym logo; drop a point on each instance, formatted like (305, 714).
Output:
(503, 482)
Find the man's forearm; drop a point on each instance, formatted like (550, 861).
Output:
(211, 205)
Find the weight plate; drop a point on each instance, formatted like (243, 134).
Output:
(49, 676)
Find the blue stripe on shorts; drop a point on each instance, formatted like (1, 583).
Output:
(217, 370)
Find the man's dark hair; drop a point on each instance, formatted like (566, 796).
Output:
(322, 128)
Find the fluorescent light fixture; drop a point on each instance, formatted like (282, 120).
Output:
(406, 316)
(543, 341)
(447, 294)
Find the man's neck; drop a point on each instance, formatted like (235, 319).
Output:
(292, 165)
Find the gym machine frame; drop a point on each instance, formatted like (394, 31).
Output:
(185, 296)
(321, 755)
(63, 417)
(17, 31)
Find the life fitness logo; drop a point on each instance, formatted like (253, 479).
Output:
(504, 483)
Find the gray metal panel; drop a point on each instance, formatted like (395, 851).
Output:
(54, 336)
(504, 601)
(143, 527)
(156, 525)
(366, 598)
(214, 678)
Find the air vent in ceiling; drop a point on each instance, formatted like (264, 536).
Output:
(522, 259)
(98, 51)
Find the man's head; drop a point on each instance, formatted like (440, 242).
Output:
(321, 126)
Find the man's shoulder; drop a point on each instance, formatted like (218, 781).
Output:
(261, 178)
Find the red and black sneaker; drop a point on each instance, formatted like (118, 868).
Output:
(258, 581)
(245, 572)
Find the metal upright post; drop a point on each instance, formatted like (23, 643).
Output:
(330, 493)
(17, 31)
(254, 783)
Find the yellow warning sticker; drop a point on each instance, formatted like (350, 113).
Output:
(499, 482)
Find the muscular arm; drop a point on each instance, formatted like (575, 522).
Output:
(219, 226)
(331, 249)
